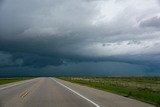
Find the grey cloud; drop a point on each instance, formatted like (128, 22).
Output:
(6, 60)
(32, 60)
(133, 42)
(1, 1)
(27, 60)
(82, 69)
(39, 33)
(152, 22)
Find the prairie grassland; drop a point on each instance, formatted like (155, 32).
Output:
(146, 89)
(9, 80)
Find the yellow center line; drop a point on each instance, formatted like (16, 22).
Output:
(24, 94)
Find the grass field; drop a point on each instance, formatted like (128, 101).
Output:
(9, 80)
(146, 89)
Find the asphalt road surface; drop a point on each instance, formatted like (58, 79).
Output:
(51, 92)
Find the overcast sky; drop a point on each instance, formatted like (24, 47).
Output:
(79, 37)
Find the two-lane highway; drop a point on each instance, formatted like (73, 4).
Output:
(41, 92)
(51, 92)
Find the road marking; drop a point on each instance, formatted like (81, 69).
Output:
(24, 94)
(15, 84)
(76, 93)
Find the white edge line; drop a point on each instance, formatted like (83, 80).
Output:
(76, 93)
(22, 82)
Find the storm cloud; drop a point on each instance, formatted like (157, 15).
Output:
(152, 22)
(38, 33)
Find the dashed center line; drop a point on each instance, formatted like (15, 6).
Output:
(24, 94)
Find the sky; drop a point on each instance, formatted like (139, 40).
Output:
(79, 37)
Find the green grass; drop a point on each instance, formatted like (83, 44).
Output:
(9, 80)
(146, 89)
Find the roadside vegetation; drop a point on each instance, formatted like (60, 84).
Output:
(146, 89)
(9, 80)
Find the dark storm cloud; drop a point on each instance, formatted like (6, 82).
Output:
(38, 33)
(27, 60)
(33, 60)
(6, 60)
(1, 1)
(152, 22)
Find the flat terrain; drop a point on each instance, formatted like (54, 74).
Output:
(51, 92)
(146, 89)
(10, 80)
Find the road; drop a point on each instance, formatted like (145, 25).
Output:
(52, 92)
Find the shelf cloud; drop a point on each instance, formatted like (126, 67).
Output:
(38, 33)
